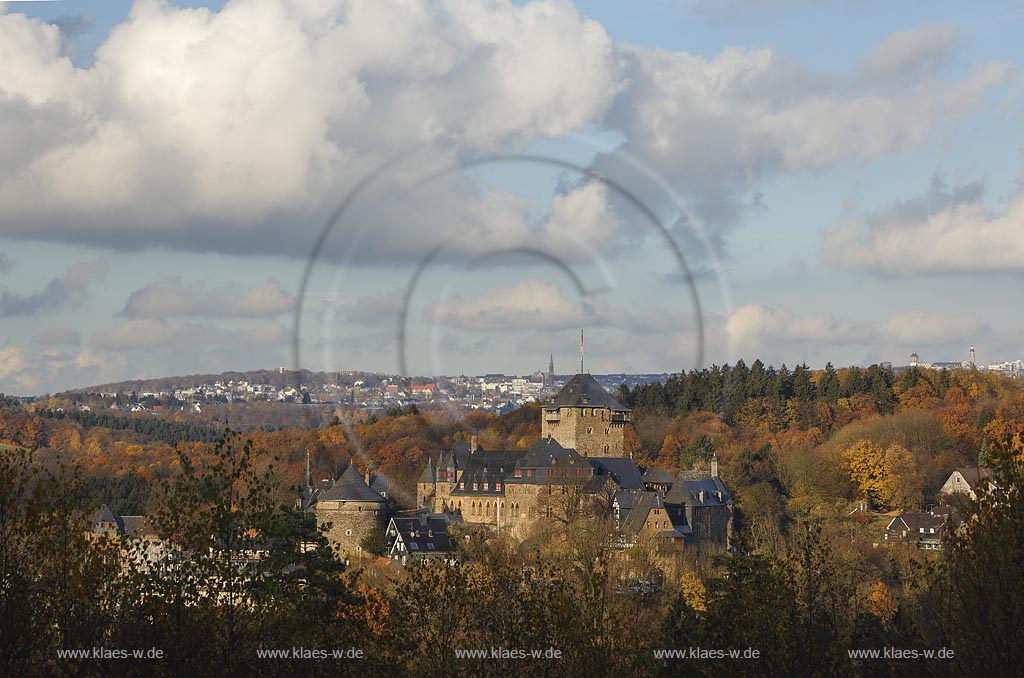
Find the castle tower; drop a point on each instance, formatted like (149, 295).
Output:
(973, 357)
(352, 509)
(585, 417)
(551, 370)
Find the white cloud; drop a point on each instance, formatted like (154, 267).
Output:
(49, 371)
(917, 328)
(199, 129)
(532, 305)
(63, 291)
(145, 334)
(712, 128)
(904, 53)
(949, 231)
(171, 297)
(777, 334)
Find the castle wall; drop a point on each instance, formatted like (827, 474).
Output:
(590, 431)
(350, 522)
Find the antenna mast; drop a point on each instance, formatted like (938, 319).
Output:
(581, 351)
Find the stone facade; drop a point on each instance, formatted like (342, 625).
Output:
(586, 418)
(349, 507)
(513, 491)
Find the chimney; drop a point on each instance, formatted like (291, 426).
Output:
(472, 445)
(714, 466)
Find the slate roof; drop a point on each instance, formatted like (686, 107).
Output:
(584, 391)
(642, 507)
(102, 515)
(657, 476)
(136, 526)
(379, 484)
(687, 491)
(487, 468)
(920, 525)
(350, 487)
(548, 455)
(428, 473)
(425, 533)
(620, 469)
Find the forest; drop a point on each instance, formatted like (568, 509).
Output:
(806, 581)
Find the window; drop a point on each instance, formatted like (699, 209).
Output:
(590, 429)
(485, 485)
(551, 473)
(474, 486)
(497, 487)
(462, 484)
(565, 472)
(430, 547)
(579, 472)
(348, 533)
(529, 473)
(413, 546)
(518, 473)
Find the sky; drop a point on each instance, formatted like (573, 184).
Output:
(461, 186)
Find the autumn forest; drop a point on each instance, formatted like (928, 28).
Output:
(819, 461)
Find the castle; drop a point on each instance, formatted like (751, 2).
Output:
(579, 461)
(579, 465)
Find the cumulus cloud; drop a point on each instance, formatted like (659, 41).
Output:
(540, 305)
(239, 130)
(66, 290)
(906, 53)
(711, 128)
(6, 263)
(195, 127)
(171, 297)
(144, 334)
(947, 231)
(776, 333)
(49, 371)
(924, 329)
(751, 323)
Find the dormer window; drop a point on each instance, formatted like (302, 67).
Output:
(462, 484)
(497, 487)
(485, 486)
(529, 473)
(474, 486)
(518, 473)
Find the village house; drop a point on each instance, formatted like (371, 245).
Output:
(966, 481)
(923, 529)
(420, 537)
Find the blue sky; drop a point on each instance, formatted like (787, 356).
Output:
(842, 179)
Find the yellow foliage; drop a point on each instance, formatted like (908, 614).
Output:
(881, 603)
